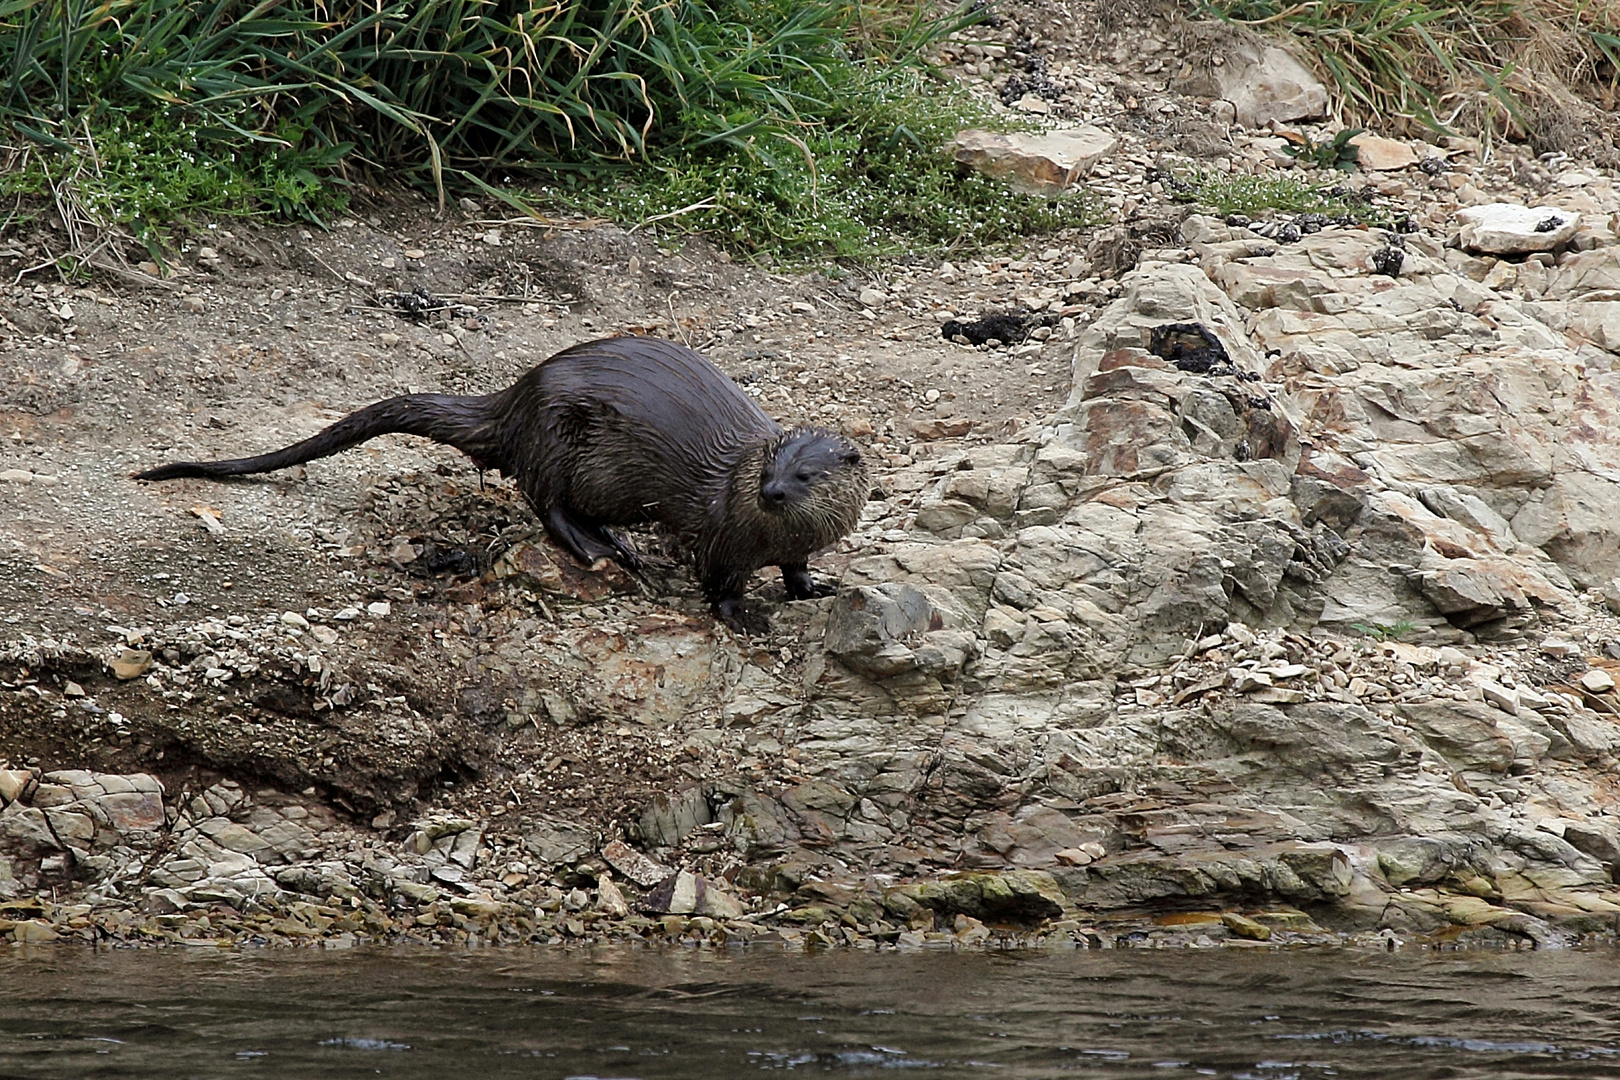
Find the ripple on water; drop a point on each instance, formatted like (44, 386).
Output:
(628, 1014)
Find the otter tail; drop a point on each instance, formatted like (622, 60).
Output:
(467, 423)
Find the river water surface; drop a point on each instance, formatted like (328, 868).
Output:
(622, 1012)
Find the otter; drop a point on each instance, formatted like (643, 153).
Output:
(631, 431)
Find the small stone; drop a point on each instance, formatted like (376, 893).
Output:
(293, 618)
(1597, 681)
(388, 339)
(873, 298)
(194, 304)
(72, 689)
(133, 664)
(1073, 857)
(1244, 681)
(12, 782)
(415, 253)
(388, 263)
(677, 895)
(492, 238)
(1560, 647)
(1244, 927)
(633, 864)
(1511, 229)
(716, 903)
(379, 608)
(34, 932)
(324, 634)
(1378, 154)
(1039, 164)
(609, 900)
(208, 519)
(1500, 696)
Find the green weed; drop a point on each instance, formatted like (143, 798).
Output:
(1380, 632)
(1256, 196)
(874, 182)
(1337, 153)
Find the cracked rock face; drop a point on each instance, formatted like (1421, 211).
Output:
(1144, 624)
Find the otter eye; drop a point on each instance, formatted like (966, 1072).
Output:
(803, 476)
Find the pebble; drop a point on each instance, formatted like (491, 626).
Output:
(132, 664)
(379, 608)
(1597, 681)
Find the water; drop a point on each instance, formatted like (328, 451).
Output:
(620, 1012)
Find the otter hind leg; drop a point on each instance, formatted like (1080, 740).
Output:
(628, 557)
(800, 585)
(585, 540)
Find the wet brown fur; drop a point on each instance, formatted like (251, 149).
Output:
(631, 431)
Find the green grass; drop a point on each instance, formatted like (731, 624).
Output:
(876, 182)
(1256, 196)
(803, 128)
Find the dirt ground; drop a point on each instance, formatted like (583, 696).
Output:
(261, 336)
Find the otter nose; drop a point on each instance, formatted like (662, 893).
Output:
(775, 492)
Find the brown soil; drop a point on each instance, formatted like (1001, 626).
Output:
(263, 335)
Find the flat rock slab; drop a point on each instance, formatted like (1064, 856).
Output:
(1039, 164)
(1511, 229)
(1383, 155)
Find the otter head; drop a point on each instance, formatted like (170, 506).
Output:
(800, 461)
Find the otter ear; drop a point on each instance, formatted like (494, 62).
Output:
(852, 457)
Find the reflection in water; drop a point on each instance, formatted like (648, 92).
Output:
(619, 1012)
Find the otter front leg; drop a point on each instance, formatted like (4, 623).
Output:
(724, 592)
(800, 585)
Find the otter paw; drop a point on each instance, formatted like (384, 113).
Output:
(736, 615)
(799, 585)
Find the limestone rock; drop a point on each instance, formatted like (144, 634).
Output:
(556, 841)
(1512, 229)
(1037, 163)
(686, 893)
(669, 817)
(1263, 83)
(1378, 154)
(633, 864)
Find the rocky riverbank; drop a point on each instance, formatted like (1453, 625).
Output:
(1292, 624)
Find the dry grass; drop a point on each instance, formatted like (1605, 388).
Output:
(1488, 67)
